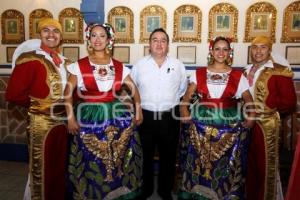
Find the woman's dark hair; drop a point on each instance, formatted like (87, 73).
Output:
(219, 38)
(105, 28)
(210, 58)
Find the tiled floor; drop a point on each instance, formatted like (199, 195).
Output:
(13, 177)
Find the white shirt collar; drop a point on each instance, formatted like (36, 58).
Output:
(151, 58)
(268, 64)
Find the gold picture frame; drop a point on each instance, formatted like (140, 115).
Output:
(71, 53)
(187, 24)
(260, 20)
(292, 54)
(9, 53)
(187, 54)
(121, 18)
(291, 23)
(34, 17)
(121, 53)
(223, 21)
(12, 25)
(72, 24)
(151, 17)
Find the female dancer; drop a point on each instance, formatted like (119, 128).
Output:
(105, 157)
(214, 136)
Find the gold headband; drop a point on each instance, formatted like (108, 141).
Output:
(262, 40)
(49, 22)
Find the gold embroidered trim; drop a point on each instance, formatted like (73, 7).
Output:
(270, 127)
(110, 151)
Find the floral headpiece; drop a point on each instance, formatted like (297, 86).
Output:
(212, 43)
(109, 29)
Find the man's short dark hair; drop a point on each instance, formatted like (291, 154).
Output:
(159, 30)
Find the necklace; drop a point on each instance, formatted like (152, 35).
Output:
(101, 70)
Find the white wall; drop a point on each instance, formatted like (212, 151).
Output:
(26, 7)
(136, 49)
(240, 48)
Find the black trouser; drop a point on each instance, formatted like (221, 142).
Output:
(159, 130)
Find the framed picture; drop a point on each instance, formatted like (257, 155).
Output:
(260, 20)
(12, 25)
(292, 54)
(223, 20)
(146, 50)
(187, 24)
(249, 60)
(223, 23)
(152, 22)
(151, 17)
(121, 18)
(122, 53)
(186, 54)
(295, 25)
(72, 24)
(9, 53)
(34, 18)
(120, 24)
(291, 23)
(71, 53)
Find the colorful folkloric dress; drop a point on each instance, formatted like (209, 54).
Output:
(38, 84)
(214, 145)
(105, 158)
(273, 92)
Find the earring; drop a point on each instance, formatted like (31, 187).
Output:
(107, 49)
(210, 59)
(90, 48)
(229, 60)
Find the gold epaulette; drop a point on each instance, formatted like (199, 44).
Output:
(282, 70)
(29, 56)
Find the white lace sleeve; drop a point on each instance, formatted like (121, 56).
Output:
(74, 69)
(243, 86)
(193, 78)
(126, 72)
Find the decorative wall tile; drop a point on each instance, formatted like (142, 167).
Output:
(12, 118)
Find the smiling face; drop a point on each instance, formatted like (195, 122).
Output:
(220, 51)
(51, 37)
(99, 38)
(260, 53)
(159, 44)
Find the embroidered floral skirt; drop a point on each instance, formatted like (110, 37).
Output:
(105, 157)
(213, 155)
